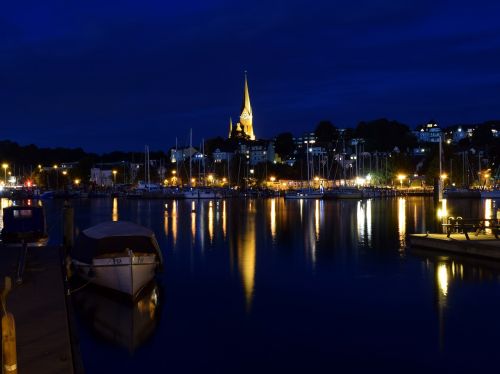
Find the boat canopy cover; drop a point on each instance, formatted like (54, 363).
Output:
(23, 219)
(114, 237)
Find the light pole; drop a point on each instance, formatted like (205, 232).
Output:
(401, 178)
(5, 167)
(57, 176)
(114, 176)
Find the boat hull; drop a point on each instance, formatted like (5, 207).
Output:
(126, 274)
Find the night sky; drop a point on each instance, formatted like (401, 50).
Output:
(107, 75)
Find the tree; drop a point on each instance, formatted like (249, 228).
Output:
(326, 132)
(383, 135)
(284, 145)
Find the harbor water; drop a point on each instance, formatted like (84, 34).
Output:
(269, 285)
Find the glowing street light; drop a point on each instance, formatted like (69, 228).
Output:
(114, 176)
(401, 178)
(272, 179)
(5, 167)
(77, 181)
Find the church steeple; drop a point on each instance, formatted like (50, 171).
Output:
(245, 105)
(230, 126)
(246, 116)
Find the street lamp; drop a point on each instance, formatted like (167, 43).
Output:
(401, 178)
(5, 167)
(114, 176)
(57, 176)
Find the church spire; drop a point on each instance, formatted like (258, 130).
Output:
(246, 117)
(230, 126)
(245, 106)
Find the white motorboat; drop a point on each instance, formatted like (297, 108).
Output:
(122, 256)
(202, 193)
(304, 194)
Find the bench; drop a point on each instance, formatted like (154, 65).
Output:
(465, 226)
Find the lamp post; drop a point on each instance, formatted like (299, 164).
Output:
(401, 178)
(57, 176)
(114, 176)
(5, 167)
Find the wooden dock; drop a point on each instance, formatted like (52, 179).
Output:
(39, 308)
(482, 245)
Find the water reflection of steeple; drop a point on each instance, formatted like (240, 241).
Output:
(247, 256)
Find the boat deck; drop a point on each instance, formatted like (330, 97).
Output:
(39, 309)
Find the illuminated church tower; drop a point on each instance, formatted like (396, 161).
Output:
(244, 128)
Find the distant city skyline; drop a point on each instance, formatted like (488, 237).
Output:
(106, 77)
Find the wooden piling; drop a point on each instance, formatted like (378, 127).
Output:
(68, 226)
(9, 354)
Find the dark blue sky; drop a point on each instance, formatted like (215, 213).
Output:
(108, 75)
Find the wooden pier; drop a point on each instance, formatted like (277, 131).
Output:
(38, 305)
(480, 245)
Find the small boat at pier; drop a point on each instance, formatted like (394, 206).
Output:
(202, 193)
(24, 225)
(121, 256)
(304, 194)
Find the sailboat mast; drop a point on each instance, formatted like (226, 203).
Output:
(190, 156)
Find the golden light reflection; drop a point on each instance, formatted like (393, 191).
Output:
(488, 212)
(193, 221)
(4, 203)
(301, 206)
(224, 218)
(316, 219)
(273, 218)
(148, 304)
(247, 260)
(442, 279)
(174, 222)
(364, 221)
(165, 223)
(360, 221)
(443, 211)
(210, 221)
(402, 222)
(115, 216)
(369, 221)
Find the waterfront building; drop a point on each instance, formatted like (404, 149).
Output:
(221, 156)
(182, 154)
(257, 152)
(244, 128)
(429, 133)
(101, 177)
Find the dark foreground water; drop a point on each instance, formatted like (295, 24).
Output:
(292, 286)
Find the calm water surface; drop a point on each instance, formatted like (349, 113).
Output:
(292, 286)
